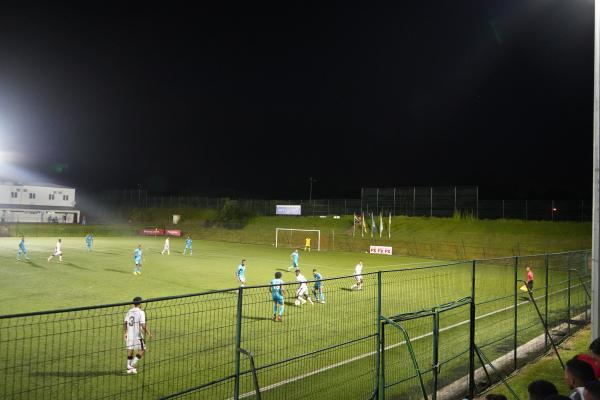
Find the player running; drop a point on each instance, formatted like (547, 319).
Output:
(307, 244)
(134, 328)
(277, 293)
(318, 287)
(241, 273)
(57, 251)
(22, 249)
(89, 241)
(137, 257)
(357, 275)
(294, 257)
(302, 291)
(188, 245)
(166, 248)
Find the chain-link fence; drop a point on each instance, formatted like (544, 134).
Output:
(400, 334)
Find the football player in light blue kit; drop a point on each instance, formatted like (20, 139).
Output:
(277, 293)
(241, 273)
(294, 257)
(188, 245)
(137, 257)
(89, 241)
(318, 287)
(22, 249)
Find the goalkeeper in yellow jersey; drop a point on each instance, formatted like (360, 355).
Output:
(307, 244)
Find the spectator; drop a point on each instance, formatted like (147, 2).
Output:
(492, 396)
(592, 391)
(593, 357)
(540, 389)
(577, 374)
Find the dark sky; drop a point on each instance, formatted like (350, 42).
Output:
(252, 100)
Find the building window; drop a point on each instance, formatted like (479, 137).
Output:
(50, 197)
(32, 195)
(13, 195)
(65, 197)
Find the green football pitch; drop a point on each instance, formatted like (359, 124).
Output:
(319, 351)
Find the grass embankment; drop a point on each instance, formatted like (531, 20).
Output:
(439, 238)
(547, 368)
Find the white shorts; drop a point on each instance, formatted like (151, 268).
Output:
(358, 278)
(242, 279)
(57, 253)
(166, 248)
(135, 344)
(302, 292)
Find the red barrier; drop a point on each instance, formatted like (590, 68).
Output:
(174, 232)
(152, 232)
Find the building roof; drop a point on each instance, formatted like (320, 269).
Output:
(40, 184)
(26, 207)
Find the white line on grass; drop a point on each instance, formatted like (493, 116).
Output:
(356, 358)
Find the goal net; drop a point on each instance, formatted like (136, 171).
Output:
(296, 238)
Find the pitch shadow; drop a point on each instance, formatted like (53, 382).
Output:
(116, 270)
(257, 318)
(76, 374)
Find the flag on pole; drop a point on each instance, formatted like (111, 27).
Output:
(356, 222)
(363, 225)
(373, 225)
(390, 227)
(380, 224)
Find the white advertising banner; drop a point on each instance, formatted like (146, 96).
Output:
(387, 250)
(288, 210)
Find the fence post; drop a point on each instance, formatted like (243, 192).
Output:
(238, 344)
(502, 209)
(436, 342)
(431, 201)
(414, 199)
(515, 321)
(526, 210)
(378, 360)
(477, 201)
(455, 199)
(569, 302)
(546, 265)
(472, 335)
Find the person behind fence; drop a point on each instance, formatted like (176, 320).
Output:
(134, 328)
(529, 280)
(302, 292)
(89, 241)
(540, 389)
(57, 251)
(166, 247)
(358, 276)
(577, 374)
(593, 357)
(591, 391)
(241, 273)
(22, 249)
(318, 287)
(307, 244)
(278, 295)
(294, 257)
(188, 245)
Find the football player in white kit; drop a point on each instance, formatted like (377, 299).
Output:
(302, 291)
(57, 251)
(166, 248)
(134, 328)
(357, 275)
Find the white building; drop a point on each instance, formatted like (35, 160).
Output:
(37, 203)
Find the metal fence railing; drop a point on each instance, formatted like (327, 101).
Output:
(410, 201)
(407, 333)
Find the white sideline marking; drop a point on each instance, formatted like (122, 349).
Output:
(356, 358)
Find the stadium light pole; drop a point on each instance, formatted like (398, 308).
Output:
(596, 186)
(311, 180)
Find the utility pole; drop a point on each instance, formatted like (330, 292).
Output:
(311, 180)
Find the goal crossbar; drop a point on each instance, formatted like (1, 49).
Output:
(318, 231)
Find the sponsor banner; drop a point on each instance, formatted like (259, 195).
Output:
(288, 210)
(387, 250)
(174, 232)
(152, 232)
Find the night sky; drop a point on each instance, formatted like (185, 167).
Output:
(251, 100)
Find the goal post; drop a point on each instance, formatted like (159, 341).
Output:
(279, 231)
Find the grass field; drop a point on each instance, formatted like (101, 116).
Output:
(320, 351)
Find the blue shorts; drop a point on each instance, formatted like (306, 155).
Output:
(138, 261)
(277, 298)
